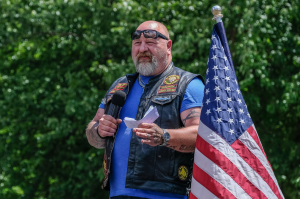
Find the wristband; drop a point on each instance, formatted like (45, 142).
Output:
(98, 133)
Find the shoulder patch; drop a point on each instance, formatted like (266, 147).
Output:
(119, 87)
(172, 79)
(183, 172)
(167, 89)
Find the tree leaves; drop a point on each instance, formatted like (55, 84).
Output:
(58, 58)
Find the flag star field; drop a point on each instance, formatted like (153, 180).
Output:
(221, 94)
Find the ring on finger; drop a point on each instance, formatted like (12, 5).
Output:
(148, 136)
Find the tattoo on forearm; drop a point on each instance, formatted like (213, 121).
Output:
(192, 114)
(172, 147)
(93, 137)
(187, 148)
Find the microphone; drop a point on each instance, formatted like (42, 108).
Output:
(113, 109)
(117, 102)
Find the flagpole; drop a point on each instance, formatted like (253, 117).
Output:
(216, 10)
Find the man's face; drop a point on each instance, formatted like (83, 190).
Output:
(149, 55)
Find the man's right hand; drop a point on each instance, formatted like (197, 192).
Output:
(108, 125)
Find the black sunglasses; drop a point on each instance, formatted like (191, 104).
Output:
(147, 34)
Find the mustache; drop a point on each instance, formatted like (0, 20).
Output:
(147, 54)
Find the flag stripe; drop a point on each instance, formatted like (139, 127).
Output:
(192, 195)
(254, 135)
(255, 164)
(200, 191)
(252, 154)
(211, 184)
(252, 126)
(220, 144)
(219, 175)
(222, 161)
(256, 150)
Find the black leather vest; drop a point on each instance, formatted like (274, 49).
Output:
(158, 168)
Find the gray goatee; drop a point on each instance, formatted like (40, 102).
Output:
(148, 68)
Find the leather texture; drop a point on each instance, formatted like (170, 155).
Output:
(157, 168)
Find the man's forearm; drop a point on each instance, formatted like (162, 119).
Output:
(93, 136)
(184, 139)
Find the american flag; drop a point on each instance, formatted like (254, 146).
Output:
(230, 161)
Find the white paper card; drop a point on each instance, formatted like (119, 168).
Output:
(150, 116)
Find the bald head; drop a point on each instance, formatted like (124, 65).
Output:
(154, 25)
(151, 56)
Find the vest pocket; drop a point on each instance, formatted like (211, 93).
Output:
(169, 118)
(168, 107)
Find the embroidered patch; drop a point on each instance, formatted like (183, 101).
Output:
(183, 172)
(167, 89)
(172, 79)
(162, 98)
(119, 87)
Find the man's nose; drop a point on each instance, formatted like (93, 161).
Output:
(143, 47)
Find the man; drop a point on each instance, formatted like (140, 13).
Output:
(154, 160)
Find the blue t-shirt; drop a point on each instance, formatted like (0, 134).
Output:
(192, 98)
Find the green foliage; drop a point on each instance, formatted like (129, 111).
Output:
(57, 58)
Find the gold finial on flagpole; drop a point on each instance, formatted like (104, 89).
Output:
(216, 10)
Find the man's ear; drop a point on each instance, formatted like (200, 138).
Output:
(169, 46)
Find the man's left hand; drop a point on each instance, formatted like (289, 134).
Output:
(151, 134)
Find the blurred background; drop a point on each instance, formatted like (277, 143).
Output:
(58, 58)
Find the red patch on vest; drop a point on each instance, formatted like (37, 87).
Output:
(119, 87)
(167, 89)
